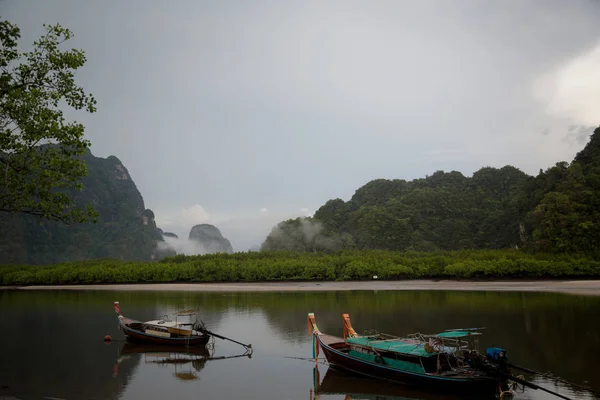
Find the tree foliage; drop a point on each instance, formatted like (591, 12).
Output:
(556, 211)
(303, 234)
(567, 217)
(124, 229)
(39, 150)
(293, 266)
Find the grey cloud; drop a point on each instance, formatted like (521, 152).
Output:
(579, 134)
(241, 105)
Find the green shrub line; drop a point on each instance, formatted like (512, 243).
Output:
(349, 265)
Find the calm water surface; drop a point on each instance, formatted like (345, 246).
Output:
(51, 342)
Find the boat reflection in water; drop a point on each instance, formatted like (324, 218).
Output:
(355, 387)
(187, 362)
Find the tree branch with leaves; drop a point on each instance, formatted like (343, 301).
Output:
(40, 152)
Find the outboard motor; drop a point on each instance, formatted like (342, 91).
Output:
(497, 356)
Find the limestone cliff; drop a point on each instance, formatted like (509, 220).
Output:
(125, 228)
(210, 239)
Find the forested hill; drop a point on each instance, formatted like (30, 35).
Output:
(125, 228)
(556, 211)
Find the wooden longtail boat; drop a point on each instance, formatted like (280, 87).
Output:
(163, 331)
(440, 362)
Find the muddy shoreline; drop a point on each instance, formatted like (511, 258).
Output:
(581, 287)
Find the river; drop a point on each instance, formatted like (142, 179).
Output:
(52, 341)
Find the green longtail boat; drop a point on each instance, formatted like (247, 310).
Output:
(443, 362)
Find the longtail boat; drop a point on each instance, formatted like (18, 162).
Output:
(164, 331)
(442, 362)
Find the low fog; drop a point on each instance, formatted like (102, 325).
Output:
(183, 246)
(245, 231)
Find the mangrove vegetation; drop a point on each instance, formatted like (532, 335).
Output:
(342, 265)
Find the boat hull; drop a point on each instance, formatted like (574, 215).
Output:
(139, 336)
(467, 385)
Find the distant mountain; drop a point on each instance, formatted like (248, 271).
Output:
(209, 239)
(556, 211)
(125, 229)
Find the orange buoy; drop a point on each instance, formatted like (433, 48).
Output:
(107, 338)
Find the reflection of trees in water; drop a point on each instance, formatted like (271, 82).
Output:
(43, 347)
(354, 387)
(544, 331)
(141, 305)
(540, 331)
(53, 337)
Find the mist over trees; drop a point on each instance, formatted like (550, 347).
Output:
(555, 211)
(48, 173)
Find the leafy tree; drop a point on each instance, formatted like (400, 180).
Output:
(377, 192)
(567, 219)
(334, 214)
(40, 151)
(124, 229)
(303, 234)
(378, 228)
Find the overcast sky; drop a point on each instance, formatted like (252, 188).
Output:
(243, 113)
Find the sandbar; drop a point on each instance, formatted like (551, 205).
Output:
(581, 287)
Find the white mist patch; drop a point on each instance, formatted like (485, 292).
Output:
(308, 235)
(572, 91)
(244, 229)
(195, 214)
(310, 229)
(183, 246)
